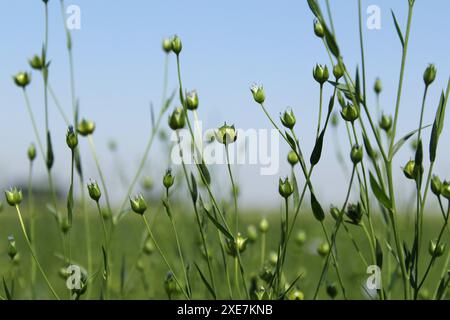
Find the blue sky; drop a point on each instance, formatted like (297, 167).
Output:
(227, 45)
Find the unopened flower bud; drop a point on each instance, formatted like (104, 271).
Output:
(149, 247)
(176, 45)
(354, 213)
(288, 119)
(334, 119)
(292, 158)
(168, 179)
(12, 250)
(285, 187)
(226, 134)
(36, 62)
(296, 295)
(335, 213)
(321, 73)
(86, 127)
(445, 190)
(177, 119)
(192, 100)
(167, 45)
(409, 170)
(300, 238)
(138, 204)
(429, 75)
(377, 87)
(323, 249)
(332, 290)
(263, 225)
(338, 71)
(252, 234)
(22, 79)
(239, 244)
(13, 196)
(318, 29)
(71, 138)
(31, 152)
(356, 154)
(94, 190)
(147, 183)
(435, 250)
(258, 93)
(350, 113)
(436, 185)
(385, 122)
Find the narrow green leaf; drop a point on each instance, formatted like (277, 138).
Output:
(204, 172)
(317, 210)
(217, 223)
(314, 6)
(438, 125)
(194, 191)
(7, 292)
(105, 263)
(379, 194)
(398, 145)
(296, 191)
(50, 156)
(290, 141)
(205, 281)
(397, 27)
(379, 254)
(317, 151)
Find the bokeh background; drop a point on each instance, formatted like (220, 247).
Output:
(227, 45)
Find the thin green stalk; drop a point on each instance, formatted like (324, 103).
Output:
(233, 186)
(320, 111)
(163, 256)
(263, 248)
(32, 228)
(22, 225)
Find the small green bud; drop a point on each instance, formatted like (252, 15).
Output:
(430, 74)
(288, 119)
(86, 127)
(22, 79)
(226, 134)
(147, 183)
(264, 225)
(138, 204)
(292, 158)
(335, 213)
(266, 274)
(409, 170)
(149, 247)
(168, 179)
(13, 196)
(176, 45)
(445, 190)
(338, 71)
(64, 225)
(356, 154)
(252, 233)
(258, 93)
(436, 185)
(106, 214)
(332, 290)
(71, 138)
(341, 99)
(94, 190)
(320, 73)
(192, 100)
(167, 45)
(31, 152)
(285, 188)
(296, 295)
(300, 238)
(435, 250)
(273, 258)
(238, 244)
(12, 250)
(334, 119)
(36, 62)
(354, 213)
(177, 119)
(323, 249)
(350, 113)
(385, 123)
(377, 87)
(318, 29)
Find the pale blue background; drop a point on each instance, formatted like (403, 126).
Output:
(227, 45)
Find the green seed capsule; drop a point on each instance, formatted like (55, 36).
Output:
(409, 170)
(334, 119)
(263, 225)
(252, 233)
(434, 250)
(436, 185)
(176, 45)
(22, 79)
(323, 249)
(258, 93)
(332, 290)
(12, 250)
(226, 134)
(13, 196)
(273, 258)
(288, 119)
(167, 45)
(355, 213)
(149, 247)
(318, 29)
(385, 122)
(37, 63)
(138, 204)
(285, 187)
(168, 179)
(335, 213)
(177, 119)
(31, 152)
(321, 74)
(147, 183)
(292, 158)
(296, 295)
(377, 87)
(350, 113)
(338, 71)
(94, 190)
(86, 127)
(71, 138)
(192, 100)
(356, 154)
(300, 238)
(429, 75)
(239, 244)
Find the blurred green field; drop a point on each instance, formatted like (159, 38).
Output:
(140, 275)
